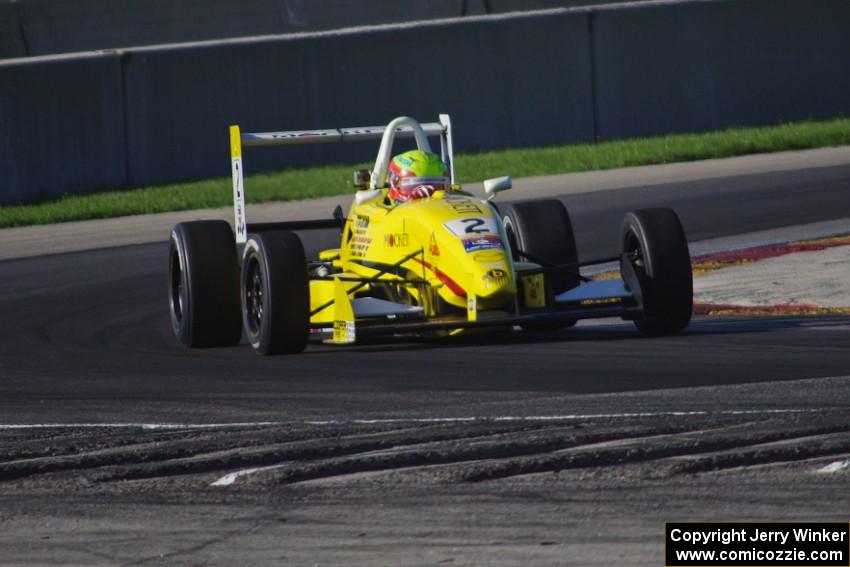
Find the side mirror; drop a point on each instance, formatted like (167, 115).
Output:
(361, 178)
(365, 196)
(497, 184)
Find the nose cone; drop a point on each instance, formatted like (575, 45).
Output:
(495, 285)
(461, 238)
(493, 282)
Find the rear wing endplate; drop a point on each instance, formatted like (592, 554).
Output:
(401, 127)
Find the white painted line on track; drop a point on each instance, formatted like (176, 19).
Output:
(133, 425)
(230, 478)
(562, 417)
(835, 467)
(400, 420)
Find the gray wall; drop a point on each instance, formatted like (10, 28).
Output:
(61, 127)
(44, 27)
(708, 65)
(155, 115)
(61, 26)
(11, 37)
(180, 100)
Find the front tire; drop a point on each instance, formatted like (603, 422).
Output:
(275, 293)
(203, 284)
(541, 231)
(656, 242)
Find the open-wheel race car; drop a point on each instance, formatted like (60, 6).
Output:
(434, 266)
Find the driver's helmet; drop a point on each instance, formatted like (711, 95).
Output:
(416, 174)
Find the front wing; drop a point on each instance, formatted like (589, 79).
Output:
(368, 317)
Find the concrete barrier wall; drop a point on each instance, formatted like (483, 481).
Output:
(61, 127)
(11, 39)
(157, 115)
(694, 66)
(61, 26)
(44, 27)
(506, 82)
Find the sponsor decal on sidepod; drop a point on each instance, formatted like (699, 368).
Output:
(482, 242)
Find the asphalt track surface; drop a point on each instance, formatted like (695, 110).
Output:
(563, 448)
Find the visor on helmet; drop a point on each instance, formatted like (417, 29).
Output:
(408, 184)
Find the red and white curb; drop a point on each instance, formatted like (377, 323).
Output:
(805, 277)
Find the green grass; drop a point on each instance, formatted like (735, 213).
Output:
(332, 180)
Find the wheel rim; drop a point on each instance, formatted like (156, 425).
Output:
(509, 232)
(254, 295)
(635, 252)
(176, 297)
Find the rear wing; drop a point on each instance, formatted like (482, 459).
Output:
(401, 127)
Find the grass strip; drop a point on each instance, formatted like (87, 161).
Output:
(312, 182)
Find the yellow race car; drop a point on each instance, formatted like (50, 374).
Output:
(441, 265)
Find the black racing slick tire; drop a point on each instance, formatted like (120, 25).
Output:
(203, 284)
(275, 293)
(540, 231)
(655, 244)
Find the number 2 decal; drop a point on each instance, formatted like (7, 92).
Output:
(472, 225)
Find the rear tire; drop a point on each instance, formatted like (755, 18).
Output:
(275, 293)
(663, 267)
(203, 284)
(542, 229)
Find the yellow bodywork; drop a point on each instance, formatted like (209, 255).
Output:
(446, 252)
